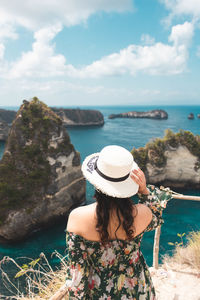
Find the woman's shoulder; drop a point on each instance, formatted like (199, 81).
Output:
(79, 217)
(143, 217)
(144, 210)
(81, 210)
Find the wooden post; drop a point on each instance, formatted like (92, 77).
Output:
(158, 230)
(156, 247)
(60, 294)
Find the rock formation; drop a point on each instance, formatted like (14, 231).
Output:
(40, 175)
(173, 161)
(80, 117)
(157, 114)
(191, 116)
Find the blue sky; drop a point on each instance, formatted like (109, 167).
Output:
(116, 52)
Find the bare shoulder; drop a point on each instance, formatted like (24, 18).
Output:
(144, 213)
(81, 210)
(78, 216)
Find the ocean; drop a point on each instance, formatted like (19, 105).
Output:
(180, 216)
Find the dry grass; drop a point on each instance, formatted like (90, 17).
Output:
(42, 281)
(187, 255)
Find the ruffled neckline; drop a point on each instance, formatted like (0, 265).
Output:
(70, 233)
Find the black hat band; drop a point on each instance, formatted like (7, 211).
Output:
(119, 179)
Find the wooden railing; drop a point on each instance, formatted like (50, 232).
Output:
(61, 294)
(158, 230)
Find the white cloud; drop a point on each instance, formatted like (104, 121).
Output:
(36, 14)
(43, 17)
(7, 31)
(41, 61)
(147, 39)
(183, 7)
(154, 59)
(2, 49)
(182, 34)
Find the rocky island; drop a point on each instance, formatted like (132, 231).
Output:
(157, 114)
(7, 116)
(80, 117)
(191, 116)
(40, 174)
(173, 161)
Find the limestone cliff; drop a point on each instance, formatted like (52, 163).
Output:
(80, 117)
(40, 175)
(157, 114)
(173, 161)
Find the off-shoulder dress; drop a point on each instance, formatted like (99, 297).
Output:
(116, 270)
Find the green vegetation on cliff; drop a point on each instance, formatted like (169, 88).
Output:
(25, 172)
(153, 152)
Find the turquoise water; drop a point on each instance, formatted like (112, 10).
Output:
(180, 216)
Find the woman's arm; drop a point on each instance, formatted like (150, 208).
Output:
(152, 197)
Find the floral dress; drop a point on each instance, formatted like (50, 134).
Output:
(116, 270)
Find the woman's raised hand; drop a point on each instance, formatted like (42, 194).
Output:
(138, 176)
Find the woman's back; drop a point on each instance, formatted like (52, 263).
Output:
(115, 269)
(103, 239)
(82, 221)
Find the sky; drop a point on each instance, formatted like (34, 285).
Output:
(116, 52)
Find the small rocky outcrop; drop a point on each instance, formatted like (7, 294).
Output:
(157, 114)
(40, 175)
(191, 116)
(173, 161)
(80, 117)
(4, 130)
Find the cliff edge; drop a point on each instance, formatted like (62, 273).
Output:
(40, 175)
(173, 161)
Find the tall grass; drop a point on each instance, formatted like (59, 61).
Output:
(189, 254)
(41, 280)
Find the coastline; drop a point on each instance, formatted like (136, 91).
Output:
(180, 216)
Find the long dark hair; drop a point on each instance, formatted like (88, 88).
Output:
(124, 211)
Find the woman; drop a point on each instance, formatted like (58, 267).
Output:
(103, 238)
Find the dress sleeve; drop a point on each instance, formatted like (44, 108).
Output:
(77, 267)
(156, 201)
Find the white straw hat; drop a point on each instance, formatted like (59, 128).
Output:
(109, 171)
